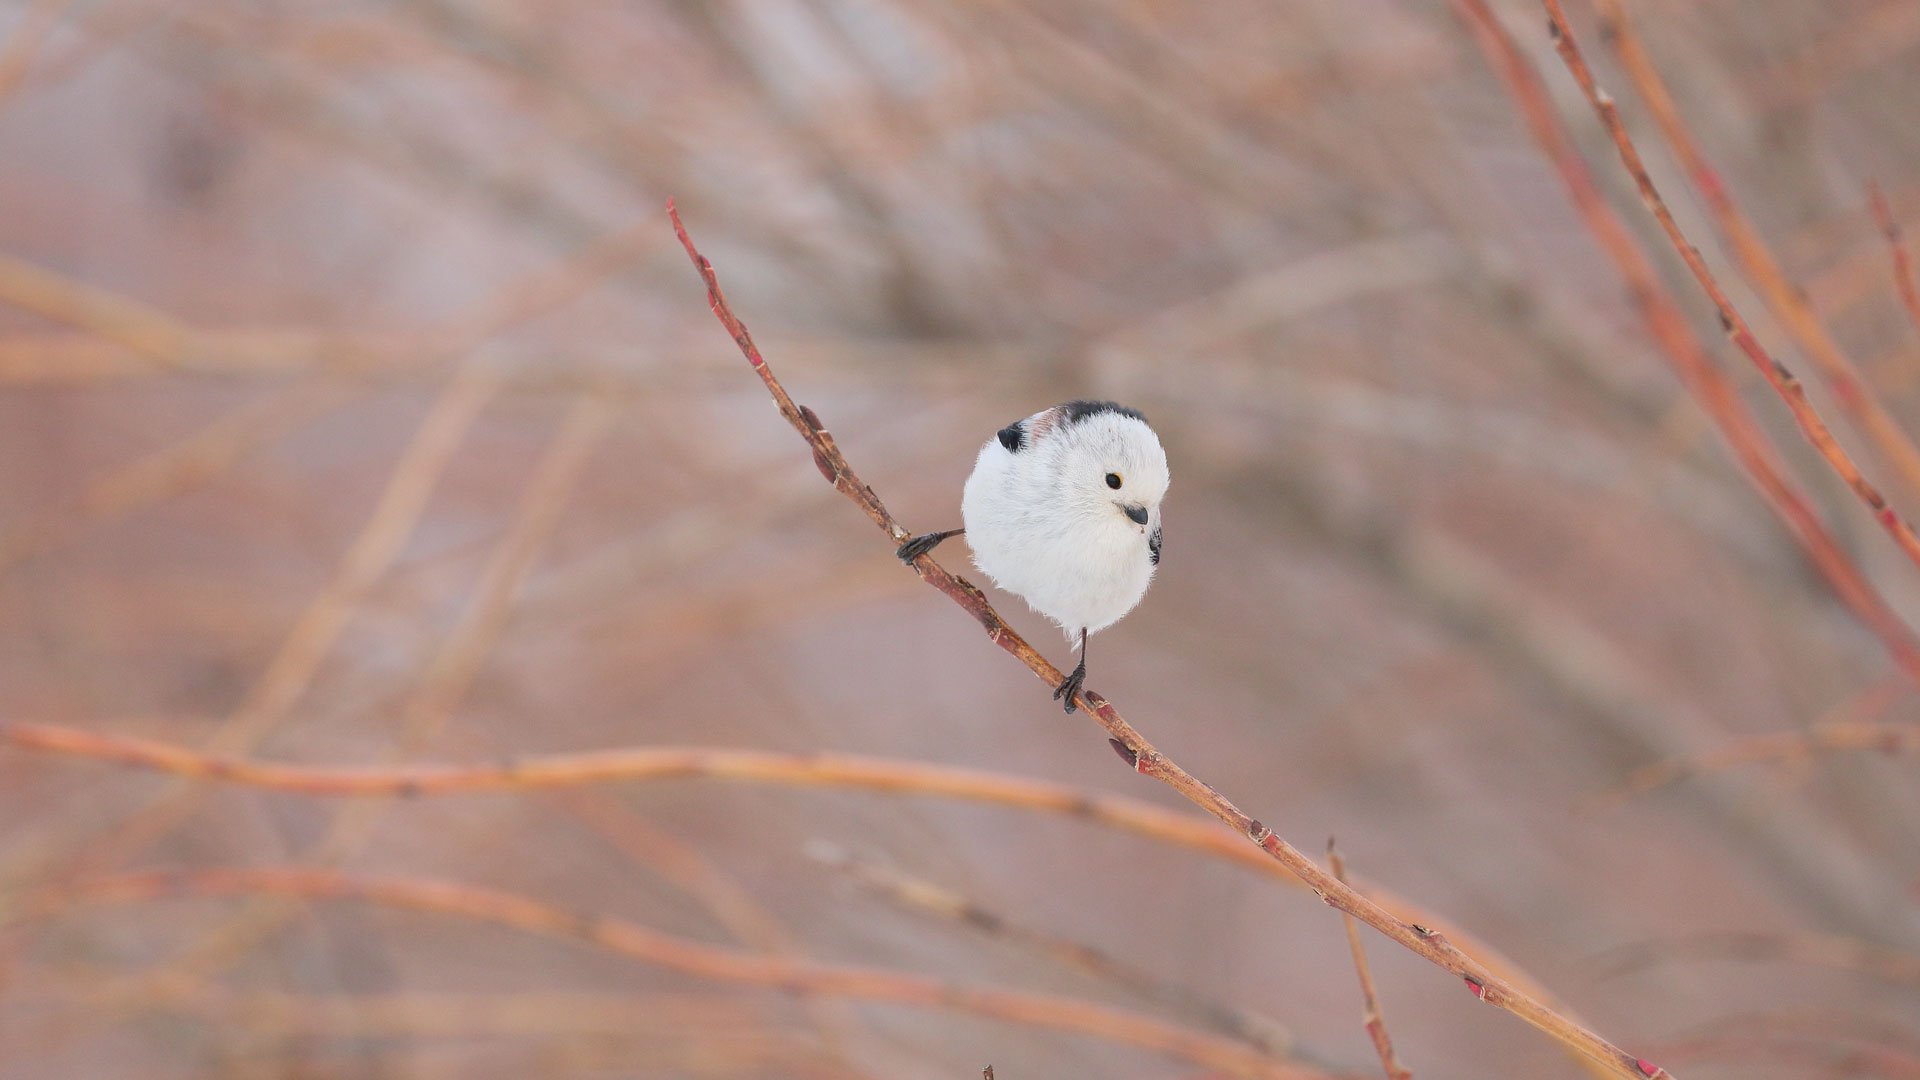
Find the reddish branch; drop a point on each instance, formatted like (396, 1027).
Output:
(640, 943)
(1783, 381)
(1134, 816)
(1376, 1023)
(1141, 754)
(1669, 330)
(1902, 265)
(1787, 303)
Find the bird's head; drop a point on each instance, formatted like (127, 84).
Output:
(1110, 463)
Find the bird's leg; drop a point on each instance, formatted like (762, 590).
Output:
(916, 546)
(1070, 685)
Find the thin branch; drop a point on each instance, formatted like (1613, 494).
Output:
(1776, 748)
(1134, 816)
(1134, 748)
(448, 674)
(1897, 245)
(178, 467)
(305, 648)
(1691, 362)
(1777, 375)
(930, 898)
(695, 959)
(1787, 303)
(1834, 951)
(1376, 1022)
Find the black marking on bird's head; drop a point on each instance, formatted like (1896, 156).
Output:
(1014, 436)
(1153, 547)
(1075, 411)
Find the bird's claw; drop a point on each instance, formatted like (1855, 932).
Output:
(916, 546)
(1070, 686)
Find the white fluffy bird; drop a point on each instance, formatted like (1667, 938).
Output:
(1063, 510)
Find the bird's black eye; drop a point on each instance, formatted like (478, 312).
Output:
(1113, 480)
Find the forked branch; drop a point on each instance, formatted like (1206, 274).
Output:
(1141, 754)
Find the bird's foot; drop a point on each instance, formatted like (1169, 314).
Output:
(916, 546)
(1071, 685)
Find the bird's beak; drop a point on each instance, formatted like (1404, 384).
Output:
(1137, 513)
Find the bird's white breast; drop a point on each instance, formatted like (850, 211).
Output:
(1077, 568)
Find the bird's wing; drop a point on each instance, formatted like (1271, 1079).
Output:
(1022, 434)
(1044, 421)
(1153, 546)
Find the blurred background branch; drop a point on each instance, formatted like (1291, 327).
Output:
(1475, 513)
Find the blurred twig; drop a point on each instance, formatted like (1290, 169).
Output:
(1779, 747)
(173, 469)
(1668, 327)
(451, 670)
(307, 645)
(928, 898)
(1144, 758)
(746, 766)
(16, 56)
(637, 942)
(1783, 381)
(1783, 299)
(1823, 950)
(1897, 247)
(1376, 1023)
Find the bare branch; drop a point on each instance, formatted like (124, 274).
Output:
(1776, 748)
(1669, 330)
(1783, 299)
(930, 898)
(1134, 816)
(1897, 245)
(1785, 384)
(1142, 755)
(637, 942)
(1375, 1021)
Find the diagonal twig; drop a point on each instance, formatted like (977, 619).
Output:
(1783, 381)
(1376, 1023)
(1787, 303)
(1141, 754)
(1897, 245)
(926, 897)
(1668, 327)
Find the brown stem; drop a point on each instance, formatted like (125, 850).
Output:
(695, 959)
(1776, 748)
(1897, 245)
(1133, 747)
(1669, 330)
(1785, 384)
(1134, 816)
(1376, 1022)
(1787, 303)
